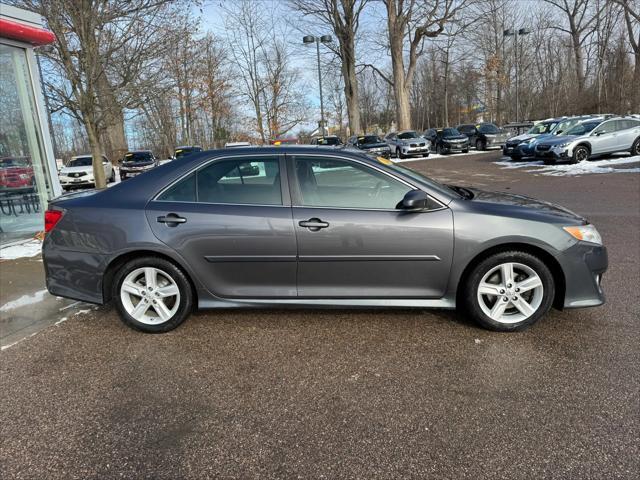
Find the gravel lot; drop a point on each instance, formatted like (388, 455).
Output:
(346, 394)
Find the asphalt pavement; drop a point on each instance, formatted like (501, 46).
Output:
(346, 393)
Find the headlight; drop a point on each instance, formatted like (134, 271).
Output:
(584, 233)
(564, 145)
(526, 142)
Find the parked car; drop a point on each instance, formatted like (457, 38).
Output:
(79, 172)
(592, 138)
(365, 233)
(447, 140)
(16, 174)
(483, 136)
(371, 144)
(137, 162)
(185, 150)
(407, 143)
(327, 140)
(524, 145)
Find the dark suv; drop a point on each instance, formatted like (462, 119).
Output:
(370, 144)
(327, 141)
(447, 140)
(135, 163)
(484, 135)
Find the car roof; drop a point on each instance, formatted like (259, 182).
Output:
(139, 151)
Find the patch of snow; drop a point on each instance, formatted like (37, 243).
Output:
(581, 168)
(63, 319)
(21, 250)
(24, 301)
(81, 312)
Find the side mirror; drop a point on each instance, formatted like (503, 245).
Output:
(414, 200)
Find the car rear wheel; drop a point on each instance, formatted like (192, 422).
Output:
(152, 295)
(509, 291)
(580, 154)
(112, 178)
(635, 148)
(480, 145)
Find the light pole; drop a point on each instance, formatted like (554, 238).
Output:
(516, 33)
(307, 39)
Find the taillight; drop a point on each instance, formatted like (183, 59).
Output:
(51, 218)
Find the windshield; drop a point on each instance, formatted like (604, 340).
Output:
(542, 128)
(421, 178)
(406, 135)
(583, 128)
(450, 132)
(488, 128)
(81, 162)
(329, 141)
(369, 139)
(13, 162)
(183, 152)
(138, 157)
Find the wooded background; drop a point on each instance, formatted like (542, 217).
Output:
(153, 74)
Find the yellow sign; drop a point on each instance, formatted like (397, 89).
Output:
(384, 161)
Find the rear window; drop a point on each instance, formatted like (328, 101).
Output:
(329, 141)
(369, 139)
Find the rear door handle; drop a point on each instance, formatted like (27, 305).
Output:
(313, 224)
(172, 218)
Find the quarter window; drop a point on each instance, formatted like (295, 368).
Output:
(342, 184)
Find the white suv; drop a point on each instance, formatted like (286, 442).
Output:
(79, 172)
(592, 138)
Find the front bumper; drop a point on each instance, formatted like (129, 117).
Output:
(518, 151)
(556, 154)
(583, 265)
(408, 150)
(128, 173)
(382, 152)
(69, 182)
(454, 147)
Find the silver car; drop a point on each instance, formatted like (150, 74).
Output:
(592, 138)
(408, 143)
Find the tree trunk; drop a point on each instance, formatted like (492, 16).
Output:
(96, 153)
(350, 84)
(400, 91)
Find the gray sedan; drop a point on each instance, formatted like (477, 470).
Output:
(316, 227)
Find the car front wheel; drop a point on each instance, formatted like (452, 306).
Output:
(635, 148)
(152, 295)
(480, 145)
(580, 154)
(509, 291)
(399, 153)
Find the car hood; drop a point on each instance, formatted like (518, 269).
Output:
(558, 139)
(367, 146)
(529, 203)
(522, 138)
(455, 137)
(407, 141)
(67, 170)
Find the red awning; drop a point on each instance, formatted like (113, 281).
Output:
(25, 33)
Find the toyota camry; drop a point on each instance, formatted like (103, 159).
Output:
(316, 227)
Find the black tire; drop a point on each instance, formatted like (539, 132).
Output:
(399, 153)
(469, 297)
(112, 178)
(516, 158)
(439, 149)
(580, 154)
(480, 145)
(635, 148)
(184, 286)
(465, 151)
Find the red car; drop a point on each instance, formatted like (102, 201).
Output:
(16, 173)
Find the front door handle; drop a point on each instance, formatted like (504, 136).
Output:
(313, 224)
(172, 220)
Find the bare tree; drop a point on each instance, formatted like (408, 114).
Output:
(409, 22)
(103, 56)
(343, 17)
(631, 10)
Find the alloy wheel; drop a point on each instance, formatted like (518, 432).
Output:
(150, 295)
(637, 149)
(581, 154)
(510, 293)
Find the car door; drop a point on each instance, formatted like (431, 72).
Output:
(628, 131)
(603, 138)
(352, 240)
(231, 222)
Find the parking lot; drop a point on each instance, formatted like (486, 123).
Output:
(349, 393)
